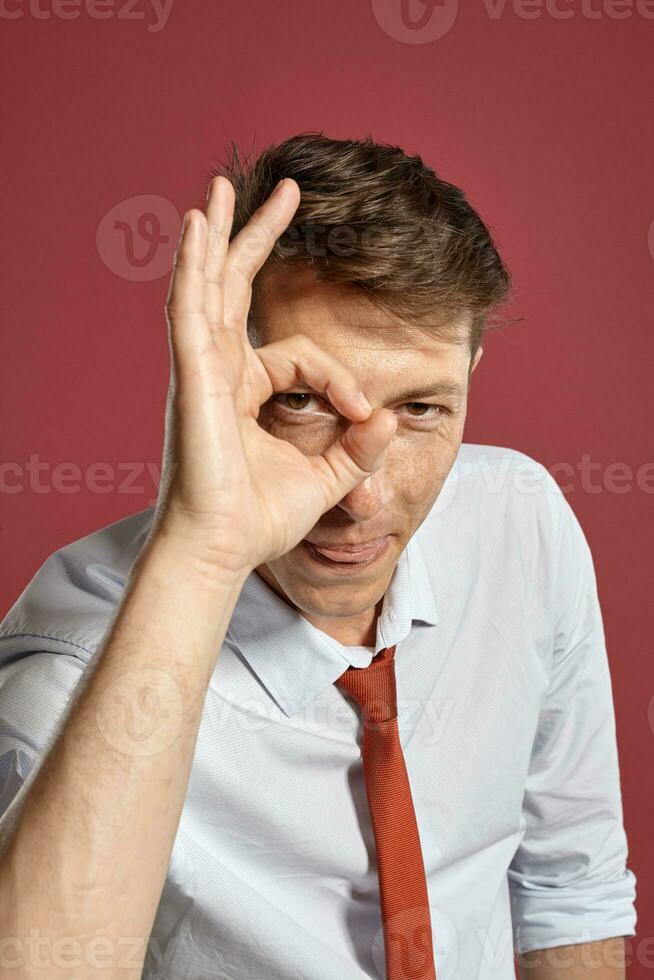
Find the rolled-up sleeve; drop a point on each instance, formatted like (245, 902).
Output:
(35, 691)
(48, 639)
(569, 881)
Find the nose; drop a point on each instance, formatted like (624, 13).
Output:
(368, 498)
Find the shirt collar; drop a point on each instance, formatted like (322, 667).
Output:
(294, 660)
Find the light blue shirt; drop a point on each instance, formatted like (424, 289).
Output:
(506, 721)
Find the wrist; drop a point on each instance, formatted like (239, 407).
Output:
(214, 548)
(170, 594)
(176, 551)
(193, 550)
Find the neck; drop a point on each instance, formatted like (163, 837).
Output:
(359, 630)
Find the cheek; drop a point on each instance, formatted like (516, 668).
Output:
(415, 473)
(419, 475)
(312, 440)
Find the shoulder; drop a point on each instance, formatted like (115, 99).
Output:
(481, 463)
(498, 500)
(503, 530)
(69, 602)
(501, 480)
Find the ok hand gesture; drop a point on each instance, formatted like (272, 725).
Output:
(232, 494)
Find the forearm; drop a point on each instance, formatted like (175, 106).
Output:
(88, 855)
(601, 960)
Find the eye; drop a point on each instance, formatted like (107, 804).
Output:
(293, 398)
(436, 410)
(297, 403)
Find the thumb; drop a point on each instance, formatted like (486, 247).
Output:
(357, 454)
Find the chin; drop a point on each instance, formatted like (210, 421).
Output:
(320, 587)
(339, 602)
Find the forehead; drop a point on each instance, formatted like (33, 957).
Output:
(342, 321)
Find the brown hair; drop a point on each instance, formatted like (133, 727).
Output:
(372, 217)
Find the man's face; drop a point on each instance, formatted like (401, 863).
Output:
(394, 364)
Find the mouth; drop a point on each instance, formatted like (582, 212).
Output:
(348, 557)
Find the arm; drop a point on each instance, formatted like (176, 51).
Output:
(88, 856)
(601, 960)
(85, 859)
(569, 881)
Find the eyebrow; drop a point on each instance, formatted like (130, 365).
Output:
(441, 388)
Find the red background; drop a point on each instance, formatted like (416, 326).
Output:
(545, 122)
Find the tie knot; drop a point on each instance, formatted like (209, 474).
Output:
(373, 687)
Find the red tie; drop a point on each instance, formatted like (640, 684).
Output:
(402, 882)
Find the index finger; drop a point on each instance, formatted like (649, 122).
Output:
(251, 247)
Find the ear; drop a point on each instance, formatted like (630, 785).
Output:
(476, 359)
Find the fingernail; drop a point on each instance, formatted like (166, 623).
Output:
(363, 401)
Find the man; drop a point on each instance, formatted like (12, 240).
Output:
(339, 706)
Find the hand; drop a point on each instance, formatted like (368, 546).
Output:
(235, 495)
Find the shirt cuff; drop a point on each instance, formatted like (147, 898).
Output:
(580, 912)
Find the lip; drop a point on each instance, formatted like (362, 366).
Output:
(348, 557)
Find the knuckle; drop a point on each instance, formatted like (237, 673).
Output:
(269, 234)
(244, 275)
(261, 222)
(217, 234)
(297, 343)
(217, 278)
(302, 341)
(259, 241)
